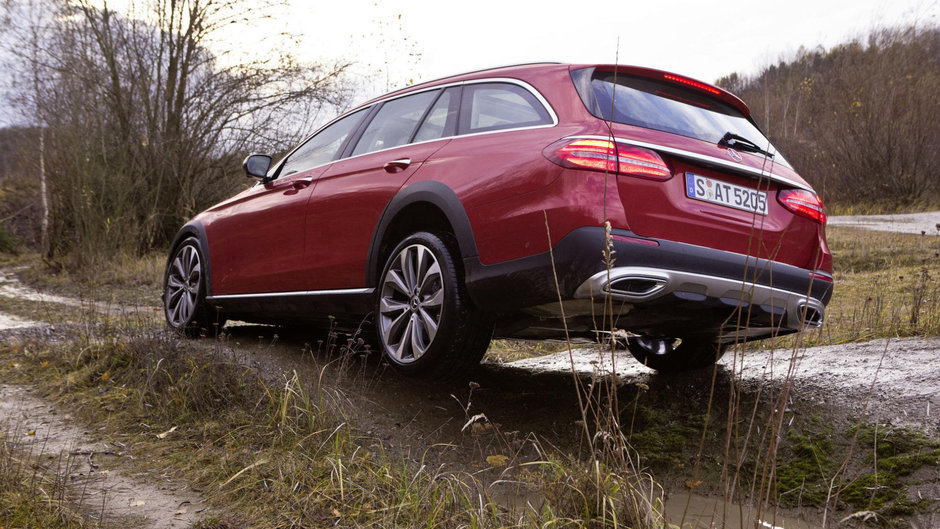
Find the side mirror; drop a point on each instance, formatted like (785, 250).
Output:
(257, 165)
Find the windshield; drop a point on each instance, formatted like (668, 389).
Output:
(659, 105)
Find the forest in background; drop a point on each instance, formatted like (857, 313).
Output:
(861, 121)
(139, 125)
(142, 127)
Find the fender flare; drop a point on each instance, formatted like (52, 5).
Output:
(431, 192)
(193, 228)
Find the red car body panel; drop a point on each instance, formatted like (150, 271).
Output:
(258, 236)
(345, 209)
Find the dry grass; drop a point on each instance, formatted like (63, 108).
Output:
(886, 286)
(34, 489)
(124, 279)
(241, 439)
(502, 351)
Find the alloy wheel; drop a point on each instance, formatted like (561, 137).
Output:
(182, 286)
(411, 303)
(656, 346)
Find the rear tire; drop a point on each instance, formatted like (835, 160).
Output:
(184, 292)
(426, 323)
(669, 355)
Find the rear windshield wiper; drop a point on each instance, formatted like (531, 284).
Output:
(740, 143)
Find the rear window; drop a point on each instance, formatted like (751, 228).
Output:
(658, 105)
(497, 106)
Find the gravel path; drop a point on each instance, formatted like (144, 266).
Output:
(927, 223)
(902, 389)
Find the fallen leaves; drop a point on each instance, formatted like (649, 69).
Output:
(497, 460)
(166, 433)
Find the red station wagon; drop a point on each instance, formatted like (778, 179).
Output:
(481, 206)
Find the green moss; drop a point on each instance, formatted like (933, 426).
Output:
(891, 442)
(872, 493)
(906, 465)
(663, 440)
(803, 468)
(899, 453)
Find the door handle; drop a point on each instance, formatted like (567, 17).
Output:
(301, 183)
(397, 166)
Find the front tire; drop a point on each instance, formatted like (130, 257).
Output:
(669, 355)
(426, 323)
(184, 291)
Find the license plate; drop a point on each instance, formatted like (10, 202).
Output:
(717, 192)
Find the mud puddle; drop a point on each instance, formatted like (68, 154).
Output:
(93, 468)
(692, 511)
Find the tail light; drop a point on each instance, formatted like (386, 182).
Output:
(804, 203)
(609, 156)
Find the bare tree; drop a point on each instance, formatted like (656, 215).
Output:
(143, 123)
(860, 121)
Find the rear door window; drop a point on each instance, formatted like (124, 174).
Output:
(395, 122)
(441, 120)
(497, 106)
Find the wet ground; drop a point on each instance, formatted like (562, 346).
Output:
(916, 223)
(894, 382)
(107, 494)
(891, 381)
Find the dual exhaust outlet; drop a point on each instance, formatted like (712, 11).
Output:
(641, 284)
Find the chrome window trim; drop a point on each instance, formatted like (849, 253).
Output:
(682, 153)
(535, 93)
(343, 291)
(508, 80)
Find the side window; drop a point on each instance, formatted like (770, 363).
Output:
(323, 147)
(394, 123)
(441, 121)
(496, 106)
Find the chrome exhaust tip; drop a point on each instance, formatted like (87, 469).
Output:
(636, 286)
(811, 316)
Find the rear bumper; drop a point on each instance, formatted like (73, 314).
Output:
(642, 285)
(656, 287)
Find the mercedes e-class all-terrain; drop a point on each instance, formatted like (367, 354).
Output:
(532, 201)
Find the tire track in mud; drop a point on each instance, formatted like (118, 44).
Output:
(38, 433)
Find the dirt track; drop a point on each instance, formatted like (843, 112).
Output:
(927, 223)
(94, 466)
(892, 381)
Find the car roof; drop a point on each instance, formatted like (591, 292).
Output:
(520, 70)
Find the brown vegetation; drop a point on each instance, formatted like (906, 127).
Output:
(139, 122)
(860, 121)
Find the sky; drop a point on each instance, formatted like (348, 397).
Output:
(396, 43)
(424, 39)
